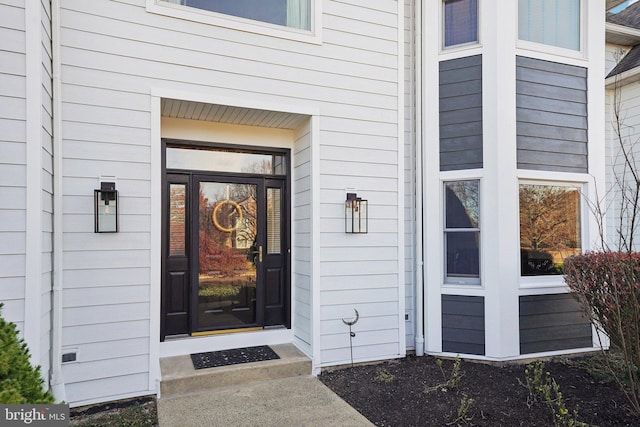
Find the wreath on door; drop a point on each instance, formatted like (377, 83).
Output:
(214, 215)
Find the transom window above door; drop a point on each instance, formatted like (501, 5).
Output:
(219, 160)
(287, 13)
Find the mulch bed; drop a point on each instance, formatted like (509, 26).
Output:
(410, 392)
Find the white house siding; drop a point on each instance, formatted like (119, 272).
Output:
(113, 54)
(12, 160)
(302, 293)
(360, 272)
(629, 104)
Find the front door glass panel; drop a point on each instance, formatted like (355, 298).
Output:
(227, 274)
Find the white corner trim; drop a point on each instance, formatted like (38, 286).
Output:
(316, 348)
(156, 245)
(33, 250)
(402, 340)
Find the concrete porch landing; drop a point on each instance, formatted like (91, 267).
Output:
(271, 393)
(180, 377)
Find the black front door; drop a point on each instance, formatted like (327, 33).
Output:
(226, 253)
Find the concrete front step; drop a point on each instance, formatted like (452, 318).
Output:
(179, 377)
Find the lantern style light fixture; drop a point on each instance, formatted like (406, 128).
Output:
(105, 201)
(356, 216)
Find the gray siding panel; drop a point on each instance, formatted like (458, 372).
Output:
(553, 67)
(461, 113)
(551, 116)
(463, 324)
(552, 322)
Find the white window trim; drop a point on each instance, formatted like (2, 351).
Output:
(242, 24)
(556, 281)
(525, 45)
(463, 46)
(460, 282)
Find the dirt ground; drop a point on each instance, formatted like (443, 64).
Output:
(419, 391)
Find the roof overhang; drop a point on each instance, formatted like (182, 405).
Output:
(619, 80)
(622, 35)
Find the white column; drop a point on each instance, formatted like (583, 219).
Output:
(432, 203)
(499, 192)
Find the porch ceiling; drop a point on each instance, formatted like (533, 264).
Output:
(191, 110)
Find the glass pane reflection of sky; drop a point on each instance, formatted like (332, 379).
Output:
(222, 161)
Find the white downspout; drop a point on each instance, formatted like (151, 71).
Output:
(57, 380)
(419, 262)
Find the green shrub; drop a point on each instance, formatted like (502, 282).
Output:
(20, 382)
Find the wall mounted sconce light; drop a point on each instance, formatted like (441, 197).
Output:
(356, 218)
(105, 201)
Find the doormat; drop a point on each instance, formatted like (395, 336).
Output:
(234, 356)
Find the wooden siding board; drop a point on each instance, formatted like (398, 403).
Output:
(460, 88)
(463, 324)
(550, 66)
(551, 132)
(551, 159)
(462, 102)
(461, 113)
(460, 75)
(552, 322)
(551, 118)
(12, 17)
(551, 92)
(555, 146)
(556, 345)
(454, 64)
(106, 389)
(545, 104)
(551, 106)
(460, 116)
(549, 78)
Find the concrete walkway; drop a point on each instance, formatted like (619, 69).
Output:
(295, 401)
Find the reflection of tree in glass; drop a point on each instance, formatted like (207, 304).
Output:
(177, 199)
(217, 254)
(549, 217)
(263, 167)
(464, 194)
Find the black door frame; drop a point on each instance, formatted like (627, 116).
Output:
(189, 174)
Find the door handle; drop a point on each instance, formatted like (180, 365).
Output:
(260, 253)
